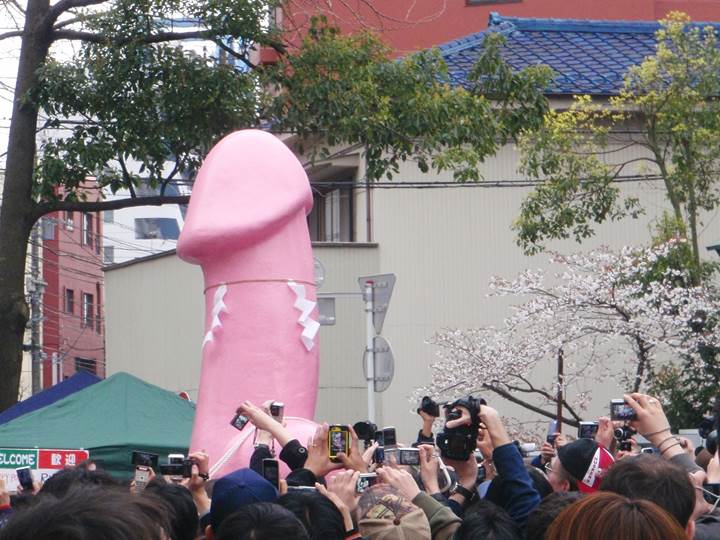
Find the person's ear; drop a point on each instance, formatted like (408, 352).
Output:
(690, 529)
(565, 485)
(209, 533)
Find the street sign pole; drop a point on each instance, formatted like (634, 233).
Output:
(370, 350)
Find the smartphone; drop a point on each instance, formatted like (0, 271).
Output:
(277, 410)
(271, 471)
(389, 437)
(481, 474)
(379, 455)
(25, 478)
(378, 438)
(146, 459)
(142, 477)
(587, 430)
(176, 459)
(619, 410)
(338, 441)
(551, 432)
(408, 456)
(364, 481)
(239, 421)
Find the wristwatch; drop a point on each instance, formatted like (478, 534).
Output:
(465, 492)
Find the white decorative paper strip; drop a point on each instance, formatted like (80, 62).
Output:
(218, 307)
(305, 307)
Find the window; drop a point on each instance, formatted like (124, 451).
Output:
(86, 364)
(109, 254)
(88, 310)
(87, 236)
(98, 238)
(109, 216)
(157, 228)
(98, 314)
(48, 228)
(69, 223)
(69, 301)
(331, 219)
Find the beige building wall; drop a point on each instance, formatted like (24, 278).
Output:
(443, 244)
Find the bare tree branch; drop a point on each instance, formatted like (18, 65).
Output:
(512, 398)
(64, 5)
(98, 206)
(14, 33)
(161, 37)
(235, 54)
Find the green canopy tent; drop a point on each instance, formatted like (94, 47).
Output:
(110, 419)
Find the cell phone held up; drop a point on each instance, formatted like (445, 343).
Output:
(338, 441)
(25, 478)
(621, 411)
(271, 471)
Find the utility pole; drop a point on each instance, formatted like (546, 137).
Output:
(35, 288)
(561, 386)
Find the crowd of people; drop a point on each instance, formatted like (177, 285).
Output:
(467, 481)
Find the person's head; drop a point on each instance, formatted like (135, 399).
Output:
(540, 519)
(651, 478)
(584, 461)
(87, 513)
(559, 479)
(384, 513)
(63, 481)
(235, 490)
(183, 513)
(540, 481)
(609, 516)
(317, 513)
(488, 521)
(261, 521)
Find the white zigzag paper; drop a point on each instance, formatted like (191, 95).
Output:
(218, 307)
(305, 307)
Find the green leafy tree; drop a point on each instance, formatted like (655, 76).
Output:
(670, 102)
(129, 93)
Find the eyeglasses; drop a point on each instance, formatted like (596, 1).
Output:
(709, 494)
(548, 468)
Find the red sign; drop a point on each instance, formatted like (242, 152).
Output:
(57, 459)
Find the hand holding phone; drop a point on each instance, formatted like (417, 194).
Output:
(143, 474)
(25, 478)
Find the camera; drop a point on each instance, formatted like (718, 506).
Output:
(408, 456)
(365, 430)
(239, 421)
(277, 410)
(144, 459)
(619, 410)
(587, 430)
(364, 481)
(428, 406)
(459, 442)
(707, 425)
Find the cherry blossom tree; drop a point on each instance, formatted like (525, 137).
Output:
(600, 312)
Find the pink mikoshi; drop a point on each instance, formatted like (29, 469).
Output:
(246, 227)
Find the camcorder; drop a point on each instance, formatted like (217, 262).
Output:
(622, 436)
(459, 442)
(428, 406)
(365, 430)
(708, 427)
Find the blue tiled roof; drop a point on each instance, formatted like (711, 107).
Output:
(588, 57)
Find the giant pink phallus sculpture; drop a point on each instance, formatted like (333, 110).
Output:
(246, 227)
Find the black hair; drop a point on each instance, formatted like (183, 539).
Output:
(540, 482)
(651, 478)
(63, 481)
(183, 513)
(89, 513)
(318, 514)
(486, 520)
(261, 521)
(540, 519)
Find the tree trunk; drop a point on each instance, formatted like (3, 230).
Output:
(18, 212)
